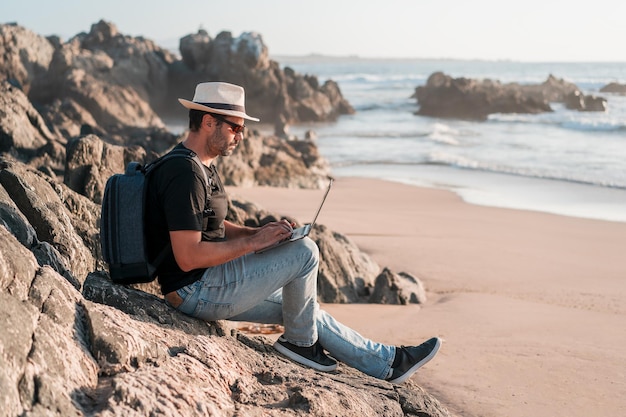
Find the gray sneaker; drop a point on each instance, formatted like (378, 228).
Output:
(410, 358)
(312, 356)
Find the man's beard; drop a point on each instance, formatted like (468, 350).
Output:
(228, 147)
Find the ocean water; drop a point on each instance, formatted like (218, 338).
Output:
(564, 162)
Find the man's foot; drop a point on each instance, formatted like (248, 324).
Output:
(312, 356)
(410, 358)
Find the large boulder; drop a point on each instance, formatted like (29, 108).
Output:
(91, 161)
(581, 102)
(106, 78)
(464, 98)
(346, 275)
(39, 202)
(402, 288)
(22, 129)
(614, 87)
(24, 55)
(272, 94)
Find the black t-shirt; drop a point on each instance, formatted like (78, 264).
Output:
(178, 199)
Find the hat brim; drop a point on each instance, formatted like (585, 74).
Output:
(195, 106)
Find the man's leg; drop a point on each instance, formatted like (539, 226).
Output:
(340, 341)
(230, 289)
(395, 364)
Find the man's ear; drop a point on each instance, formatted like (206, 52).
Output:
(206, 120)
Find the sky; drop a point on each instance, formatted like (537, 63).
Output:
(532, 31)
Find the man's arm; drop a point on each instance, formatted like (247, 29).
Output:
(191, 252)
(234, 231)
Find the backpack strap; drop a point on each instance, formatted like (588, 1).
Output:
(178, 153)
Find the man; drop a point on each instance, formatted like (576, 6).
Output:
(213, 272)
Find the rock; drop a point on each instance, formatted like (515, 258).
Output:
(271, 93)
(281, 128)
(40, 204)
(24, 56)
(345, 273)
(310, 135)
(402, 288)
(21, 127)
(194, 48)
(464, 98)
(616, 88)
(119, 87)
(90, 162)
(105, 351)
(110, 79)
(14, 221)
(44, 355)
(69, 119)
(579, 101)
(273, 161)
(594, 103)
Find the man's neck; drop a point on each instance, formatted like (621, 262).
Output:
(195, 144)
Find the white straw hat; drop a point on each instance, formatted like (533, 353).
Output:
(221, 98)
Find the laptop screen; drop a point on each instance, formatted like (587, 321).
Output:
(330, 183)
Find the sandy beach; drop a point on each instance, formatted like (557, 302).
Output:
(531, 306)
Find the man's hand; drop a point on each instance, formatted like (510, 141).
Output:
(272, 233)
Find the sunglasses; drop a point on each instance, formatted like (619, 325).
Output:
(233, 126)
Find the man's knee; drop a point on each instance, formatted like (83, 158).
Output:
(307, 245)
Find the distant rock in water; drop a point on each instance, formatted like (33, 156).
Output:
(614, 88)
(579, 101)
(464, 98)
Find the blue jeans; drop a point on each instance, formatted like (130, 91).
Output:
(280, 287)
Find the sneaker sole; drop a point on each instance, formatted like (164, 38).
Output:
(302, 360)
(418, 365)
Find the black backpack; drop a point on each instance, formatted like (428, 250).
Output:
(122, 221)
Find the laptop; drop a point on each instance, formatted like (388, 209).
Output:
(300, 232)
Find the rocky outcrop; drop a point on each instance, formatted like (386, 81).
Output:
(615, 88)
(259, 160)
(24, 55)
(106, 78)
(110, 85)
(21, 127)
(39, 202)
(106, 350)
(464, 98)
(77, 344)
(271, 93)
(579, 101)
(122, 87)
(269, 160)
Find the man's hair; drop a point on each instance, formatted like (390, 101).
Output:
(195, 119)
